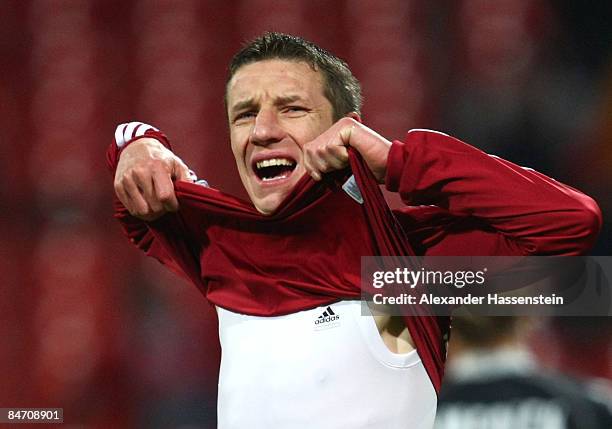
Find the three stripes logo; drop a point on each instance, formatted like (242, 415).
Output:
(329, 319)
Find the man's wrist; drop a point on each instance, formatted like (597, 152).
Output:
(373, 147)
(128, 133)
(136, 143)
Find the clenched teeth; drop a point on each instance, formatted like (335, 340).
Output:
(274, 162)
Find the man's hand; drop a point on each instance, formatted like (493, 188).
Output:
(329, 151)
(143, 180)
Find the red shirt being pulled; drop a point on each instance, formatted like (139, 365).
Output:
(460, 201)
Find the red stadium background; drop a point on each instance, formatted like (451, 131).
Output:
(90, 325)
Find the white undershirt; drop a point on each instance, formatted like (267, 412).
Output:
(315, 369)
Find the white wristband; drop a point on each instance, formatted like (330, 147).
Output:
(130, 130)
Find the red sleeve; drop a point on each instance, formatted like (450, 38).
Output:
(166, 239)
(484, 204)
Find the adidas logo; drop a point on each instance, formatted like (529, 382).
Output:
(328, 319)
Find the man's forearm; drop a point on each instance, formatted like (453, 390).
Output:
(543, 215)
(126, 134)
(141, 148)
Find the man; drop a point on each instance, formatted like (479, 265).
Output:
(295, 352)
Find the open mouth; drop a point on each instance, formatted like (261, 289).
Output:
(272, 169)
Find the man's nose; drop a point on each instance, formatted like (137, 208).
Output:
(267, 129)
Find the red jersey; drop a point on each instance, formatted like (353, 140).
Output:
(460, 201)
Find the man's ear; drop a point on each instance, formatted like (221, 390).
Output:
(354, 115)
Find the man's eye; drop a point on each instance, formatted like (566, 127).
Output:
(292, 109)
(244, 115)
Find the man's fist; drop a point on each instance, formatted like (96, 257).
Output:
(328, 151)
(144, 176)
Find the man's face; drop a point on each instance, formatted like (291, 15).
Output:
(274, 108)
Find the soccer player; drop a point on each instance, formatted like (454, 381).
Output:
(493, 381)
(283, 272)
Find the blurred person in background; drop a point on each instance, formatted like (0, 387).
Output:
(494, 381)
